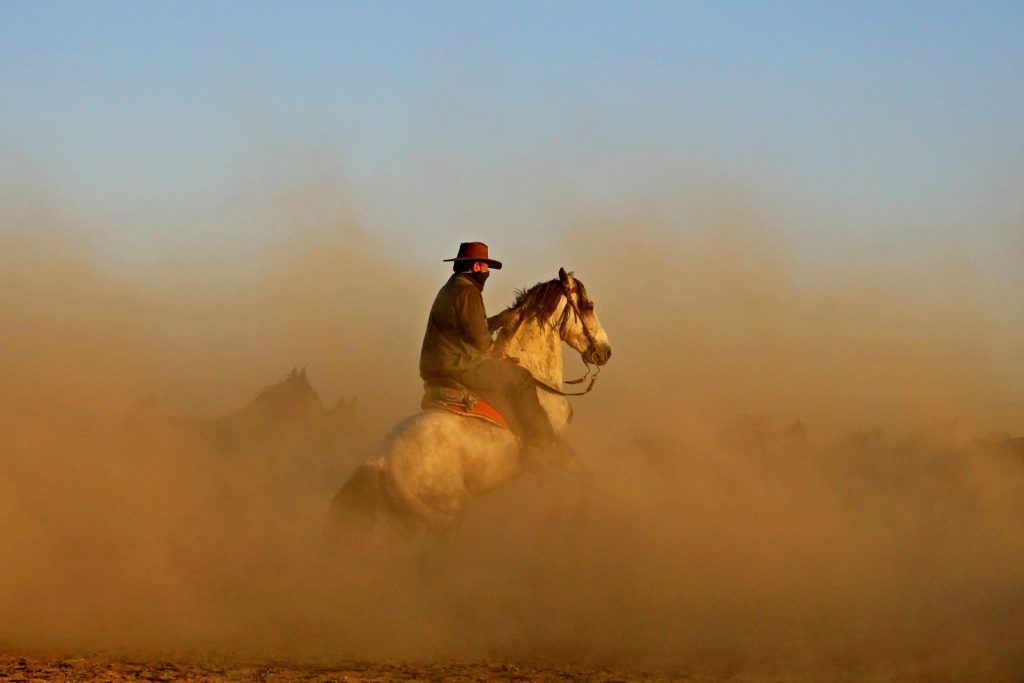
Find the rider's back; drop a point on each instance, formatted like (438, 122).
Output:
(457, 335)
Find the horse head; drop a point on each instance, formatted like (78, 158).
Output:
(580, 327)
(291, 397)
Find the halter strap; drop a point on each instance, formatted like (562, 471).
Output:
(576, 312)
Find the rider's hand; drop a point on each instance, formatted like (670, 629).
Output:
(499, 353)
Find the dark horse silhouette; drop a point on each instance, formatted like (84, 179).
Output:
(286, 419)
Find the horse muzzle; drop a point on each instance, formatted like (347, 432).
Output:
(597, 355)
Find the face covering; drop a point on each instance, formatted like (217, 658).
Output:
(480, 277)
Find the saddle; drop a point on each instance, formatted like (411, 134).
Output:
(457, 399)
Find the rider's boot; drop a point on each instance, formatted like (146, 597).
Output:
(542, 448)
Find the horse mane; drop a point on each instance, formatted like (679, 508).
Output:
(541, 301)
(537, 303)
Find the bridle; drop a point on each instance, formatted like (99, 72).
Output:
(590, 338)
(576, 312)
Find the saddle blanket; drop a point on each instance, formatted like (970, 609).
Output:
(464, 404)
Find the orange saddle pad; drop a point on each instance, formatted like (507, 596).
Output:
(463, 403)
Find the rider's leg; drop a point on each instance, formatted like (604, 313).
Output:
(516, 383)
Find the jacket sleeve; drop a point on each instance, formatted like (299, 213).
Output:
(472, 318)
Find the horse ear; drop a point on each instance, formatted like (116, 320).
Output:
(295, 371)
(302, 372)
(563, 276)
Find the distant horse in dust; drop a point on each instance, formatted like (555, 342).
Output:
(281, 417)
(436, 461)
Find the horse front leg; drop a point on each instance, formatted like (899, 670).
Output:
(581, 479)
(571, 483)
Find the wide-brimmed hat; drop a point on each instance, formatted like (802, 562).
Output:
(475, 251)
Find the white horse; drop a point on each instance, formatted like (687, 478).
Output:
(434, 462)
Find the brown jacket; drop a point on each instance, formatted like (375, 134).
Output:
(457, 336)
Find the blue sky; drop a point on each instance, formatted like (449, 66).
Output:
(438, 121)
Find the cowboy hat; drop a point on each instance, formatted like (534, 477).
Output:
(475, 251)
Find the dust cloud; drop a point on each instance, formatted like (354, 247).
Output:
(803, 463)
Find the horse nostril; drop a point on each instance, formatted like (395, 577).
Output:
(597, 355)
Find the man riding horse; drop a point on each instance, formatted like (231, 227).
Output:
(458, 350)
(456, 448)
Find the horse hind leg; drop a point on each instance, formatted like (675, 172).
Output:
(365, 510)
(355, 506)
(360, 495)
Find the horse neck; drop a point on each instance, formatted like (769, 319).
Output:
(538, 347)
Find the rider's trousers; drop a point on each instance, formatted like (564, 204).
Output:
(516, 383)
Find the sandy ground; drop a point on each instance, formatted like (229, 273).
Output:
(102, 668)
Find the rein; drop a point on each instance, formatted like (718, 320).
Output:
(547, 387)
